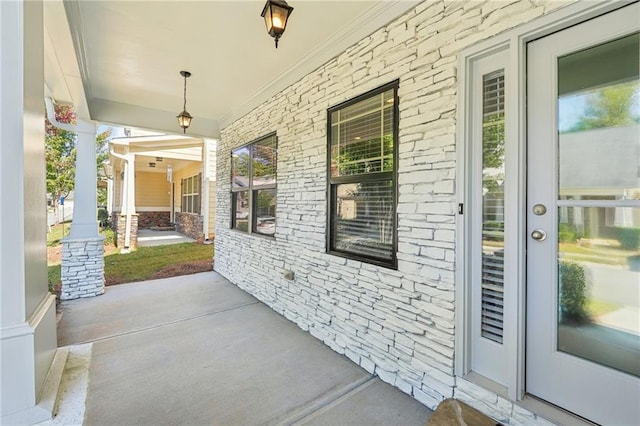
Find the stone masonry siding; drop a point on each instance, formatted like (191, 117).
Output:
(397, 324)
(149, 219)
(114, 221)
(191, 225)
(82, 267)
(120, 231)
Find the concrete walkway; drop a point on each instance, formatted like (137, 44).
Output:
(148, 237)
(196, 350)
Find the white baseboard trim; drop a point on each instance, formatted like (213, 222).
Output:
(30, 348)
(49, 395)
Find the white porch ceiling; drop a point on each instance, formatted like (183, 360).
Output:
(129, 54)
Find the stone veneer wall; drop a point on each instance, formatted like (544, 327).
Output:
(82, 267)
(121, 226)
(397, 324)
(149, 219)
(114, 221)
(191, 225)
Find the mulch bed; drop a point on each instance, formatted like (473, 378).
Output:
(184, 269)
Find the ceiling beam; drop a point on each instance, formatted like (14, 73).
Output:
(128, 115)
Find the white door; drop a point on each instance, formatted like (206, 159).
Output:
(583, 218)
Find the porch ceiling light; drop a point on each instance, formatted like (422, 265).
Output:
(184, 118)
(275, 14)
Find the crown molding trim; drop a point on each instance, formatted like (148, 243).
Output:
(372, 20)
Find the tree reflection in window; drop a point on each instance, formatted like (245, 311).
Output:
(362, 143)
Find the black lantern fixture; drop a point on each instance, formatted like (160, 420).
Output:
(184, 118)
(275, 14)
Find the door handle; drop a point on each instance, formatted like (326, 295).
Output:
(539, 235)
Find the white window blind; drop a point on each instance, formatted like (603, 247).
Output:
(492, 311)
(362, 143)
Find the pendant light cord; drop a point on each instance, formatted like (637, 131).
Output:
(184, 107)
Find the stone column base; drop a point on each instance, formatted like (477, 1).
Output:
(121, 228)
(190, 224)
(82, 267)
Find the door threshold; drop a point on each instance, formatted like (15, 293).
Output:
(552, 412)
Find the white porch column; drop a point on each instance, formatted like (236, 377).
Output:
(110, 192)
(82, 251)
(131, 183)
(127, 226)
(85, 223)
(130, 219)
(204, 190)
(27, 310)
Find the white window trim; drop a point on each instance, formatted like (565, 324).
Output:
(193, 179)
(513, 42)
(490, 354)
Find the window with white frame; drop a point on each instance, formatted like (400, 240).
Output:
(362, 142)
(191, 190)
(253, 186)
(486, 244)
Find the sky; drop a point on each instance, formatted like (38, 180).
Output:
(572, 107)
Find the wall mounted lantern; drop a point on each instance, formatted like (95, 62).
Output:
(184, 118)
(275, 14)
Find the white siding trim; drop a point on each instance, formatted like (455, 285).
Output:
(515, 302)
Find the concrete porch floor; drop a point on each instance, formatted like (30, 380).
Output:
(149, 237)
(197, 350)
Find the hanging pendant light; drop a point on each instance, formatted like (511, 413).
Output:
(275, 14)
(184, 118)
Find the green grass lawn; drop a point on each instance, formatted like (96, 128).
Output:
(144, 262)
(55, 235)
(55, 278)
(599, 307)
(596, 254)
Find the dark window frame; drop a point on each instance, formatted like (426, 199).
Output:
(333, 182)
(251, 189)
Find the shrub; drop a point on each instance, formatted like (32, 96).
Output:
(567, 233)
(103, 217)
(493, 225)
(109, 236)
(573, 294)
(629, 238)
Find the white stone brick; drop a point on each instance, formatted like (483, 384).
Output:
(430, 401)
(402, 325)
(386, 376)
(404, 386)
(383, 319)
(368, 365)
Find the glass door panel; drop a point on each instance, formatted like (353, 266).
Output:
(598, 214)
(599, 288)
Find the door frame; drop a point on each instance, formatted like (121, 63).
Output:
(546, 362)
(514, 42)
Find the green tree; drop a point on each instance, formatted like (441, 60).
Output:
(240, 165)
(610, 106)
(493, 151)
(60, 156)
(102, 155)
(374, 199)
(493, 141)
(264, 159)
